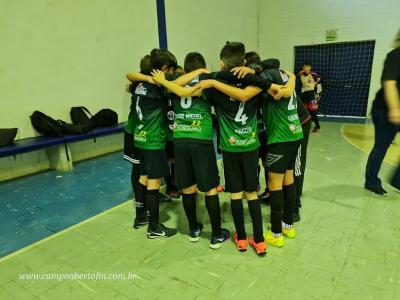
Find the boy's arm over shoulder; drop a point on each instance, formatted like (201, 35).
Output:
(236, 93)
(136, 76)
(159, 77)
(184, 79)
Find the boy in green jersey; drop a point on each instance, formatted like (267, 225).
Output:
(196, 166)
(239, 144)
(283, 132)
(150, 137)
(131, 153)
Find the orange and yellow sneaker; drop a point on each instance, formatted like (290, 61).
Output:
(273, 240)
(261, 247)
(241, 245)
(290, 232)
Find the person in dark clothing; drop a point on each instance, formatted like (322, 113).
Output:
(386, 119)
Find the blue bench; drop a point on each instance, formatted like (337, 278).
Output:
(43, 142)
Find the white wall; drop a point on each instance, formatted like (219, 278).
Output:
(205, 25)
(55, 54)
(287, 23)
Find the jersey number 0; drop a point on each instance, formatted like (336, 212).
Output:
(186, 102)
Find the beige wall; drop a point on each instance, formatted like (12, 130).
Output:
(287, 23)
(55, 54)
(205, 25)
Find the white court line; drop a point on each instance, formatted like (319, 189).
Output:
(360, 148)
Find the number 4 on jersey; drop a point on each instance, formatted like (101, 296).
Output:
(293, 102)
(240, 116)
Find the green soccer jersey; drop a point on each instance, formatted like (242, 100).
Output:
(150, 112)
(192, 117)
(131, 123)
(280, 116)
(170, 119)
(237, 121)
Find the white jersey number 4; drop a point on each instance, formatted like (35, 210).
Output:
(240, 116)
(293, 102)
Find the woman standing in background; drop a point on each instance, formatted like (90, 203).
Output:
(386, 118)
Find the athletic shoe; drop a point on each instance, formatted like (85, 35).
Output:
(173, 193)
(241, 245)
(140, 221)
(274, 241)
(164, 198)
(194, 235)
(376, 190)
(290, 233)
(216, 241)
(296, 217)
(261, 247)
(316, 129)
(265, 198)
(161, 231)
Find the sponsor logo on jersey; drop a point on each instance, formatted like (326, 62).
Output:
(141, 136)
(243, 130)
(187, 128)
(196, 124)
(195, 80)
(232, 140)
(170, 115)
(292, 127)
(141, 90)
(284, 76)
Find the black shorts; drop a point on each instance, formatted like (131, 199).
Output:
(196, 164)
(240, 171)
(282, 156)
(307, 97)
(169, 147)
(131, 153)
(153, 163)
(262, 151)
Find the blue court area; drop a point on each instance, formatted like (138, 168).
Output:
(34, 207)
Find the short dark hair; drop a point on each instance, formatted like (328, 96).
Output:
(252, 58)
(145, 65)
(194, 61)
(271, 63)
(162, 57)
(232, 54)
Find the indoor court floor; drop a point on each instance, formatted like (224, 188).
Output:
(348, 242)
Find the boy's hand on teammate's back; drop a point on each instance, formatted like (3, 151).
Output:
(205, 71)
(196, 91)
(276, 91)
(241, 72)
(205, 84)
(158, 76)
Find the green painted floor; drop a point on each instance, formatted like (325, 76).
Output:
(347, 247)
